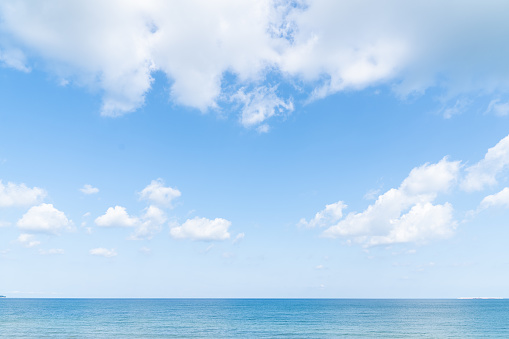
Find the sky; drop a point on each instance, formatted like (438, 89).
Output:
(254, 149)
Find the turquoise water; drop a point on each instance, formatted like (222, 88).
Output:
(253, 318)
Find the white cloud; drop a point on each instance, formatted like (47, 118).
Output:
(157, 193)
(14, 58)
(263, 128)
(329, 46)
(103, 252)
(411, 45)
(202, 229)
(4, 224)
(498, 199)
(484, 173)
(331, 214)
(116, 217)
(44, 218)
(498, 108)
(151, 223)
(19, 195)
(405, 214)
(423, 222)
(148, 224)
(88, 189)
(346, 45)
(28, 240)
(431, 179)
(259, 105)
(88, 41)
(115, 45)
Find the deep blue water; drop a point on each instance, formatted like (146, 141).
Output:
(253, 318)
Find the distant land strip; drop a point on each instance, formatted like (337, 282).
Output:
(480, 298)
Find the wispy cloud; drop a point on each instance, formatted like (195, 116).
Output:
(89, 189)
(28, 240)
(103, 252)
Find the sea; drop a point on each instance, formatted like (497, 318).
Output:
(253, 318)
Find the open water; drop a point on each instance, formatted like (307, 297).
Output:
(253, 318)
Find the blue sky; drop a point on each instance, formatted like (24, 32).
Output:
(254, 149)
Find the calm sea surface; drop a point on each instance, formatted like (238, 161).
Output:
(253, 318)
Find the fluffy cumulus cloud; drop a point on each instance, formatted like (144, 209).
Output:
(405, 214)
(44, 218)
(152, 219)
(89, 189)
(342, 45)
(103, 252)
(116, 217)
(498, 199)
(13, 194)
(212, 50)
(151, 223)
(159, 194)
(485, 172)
(202, 229)
(145, 226)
